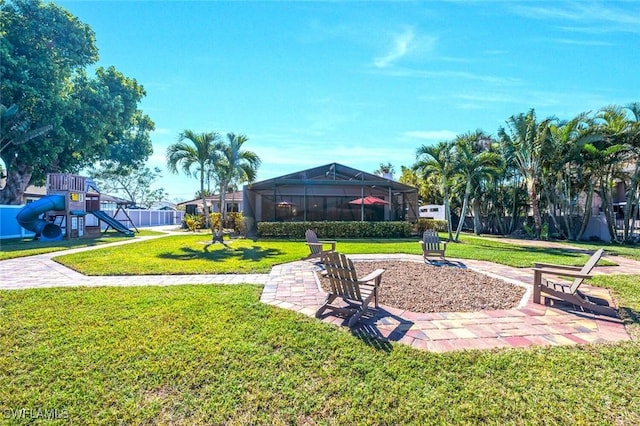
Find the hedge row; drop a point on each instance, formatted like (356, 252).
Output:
(347, 229)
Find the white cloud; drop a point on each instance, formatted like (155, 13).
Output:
(434, 135)
(163, 131)
(405, 43)
(447, 74)
(579, 42)
(401, 45)
(586, 13)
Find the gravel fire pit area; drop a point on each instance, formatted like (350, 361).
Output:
(422, 287)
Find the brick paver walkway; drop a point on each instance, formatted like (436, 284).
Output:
(40, 271)
(295, 286)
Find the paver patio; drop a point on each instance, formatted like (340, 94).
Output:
(295, 286)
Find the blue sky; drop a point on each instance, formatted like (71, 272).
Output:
(361, 83)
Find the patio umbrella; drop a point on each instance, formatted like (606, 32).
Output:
(369, 201)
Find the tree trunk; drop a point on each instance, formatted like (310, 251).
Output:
(207, 219)
(447, 209)
(629, 216)
(608, 211)
(515, 212)
(535, 210)
(223, 205)
(587, 212)
(218, 236)
(463, 212)
(476, 216)
(552, 214)
(17, 182)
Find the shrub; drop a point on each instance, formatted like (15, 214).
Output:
(336, 229)
(193, 222)
(214, 218)
(235, 221)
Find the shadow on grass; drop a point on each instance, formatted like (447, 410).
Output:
(560, 251)
(253, 254)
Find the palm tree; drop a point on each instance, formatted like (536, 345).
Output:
(437, 161)
(231, 166)
(566, 174)
(193, 153)
(620, 130)
(632, 144)
(474, 164)
(524, 140)
(384, 169)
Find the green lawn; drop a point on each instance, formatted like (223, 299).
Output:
(215, 355)
(471, 247)
(193, 254)
(185, 254)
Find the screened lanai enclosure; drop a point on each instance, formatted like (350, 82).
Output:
(332, 192)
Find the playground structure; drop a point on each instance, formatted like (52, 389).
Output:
(69, 199)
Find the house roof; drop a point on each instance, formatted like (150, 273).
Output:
(230, 196)
(35, 190)
(331, 174)
(163, 205)
(106, 198)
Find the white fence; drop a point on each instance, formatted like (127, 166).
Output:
(141, 218)
(9, 227)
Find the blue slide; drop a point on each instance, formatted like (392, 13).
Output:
(29, 217)
(113, 222)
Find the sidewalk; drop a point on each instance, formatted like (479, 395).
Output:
(295, 286)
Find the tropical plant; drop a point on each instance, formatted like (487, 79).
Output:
(474, 164)
(566, 176)
(427, 192)
(193, 222)
(632, 194)
(384, 169)
(437, 161)
(194, 154)
(524, 140)
(617, 153)
(231, 165)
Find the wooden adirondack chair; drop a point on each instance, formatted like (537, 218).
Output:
(431, 244)
(344, 282)
(318, 248)
(565, 291)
